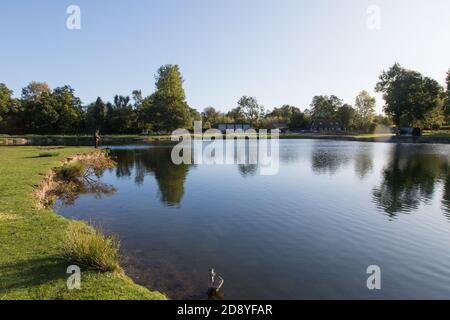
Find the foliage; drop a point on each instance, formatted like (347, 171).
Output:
(284, 112)
(346, 116)
(167, 108)
(325, 107)
(237, 115)
(96, 116)
(68, 108)
(81, 177)
(251, 110)
(365, 110)
(299, 120)
(6, 102)
(410, 100)
(447, 98)
(38, 113)
(70, 172)
(211, 117)
(88, 247)
(121, 116)
(381, 120)
(409, 97)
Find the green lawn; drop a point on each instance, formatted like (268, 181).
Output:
(30, 239)
(437, 133)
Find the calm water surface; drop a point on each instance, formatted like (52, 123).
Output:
(310, 231)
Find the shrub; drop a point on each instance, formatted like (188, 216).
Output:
(89, 247)
(70, 172)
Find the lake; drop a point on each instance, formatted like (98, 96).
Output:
(308, 232)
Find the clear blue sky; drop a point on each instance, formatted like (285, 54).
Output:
(282, 52)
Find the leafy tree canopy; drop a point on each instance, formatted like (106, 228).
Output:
(167, 107)
(447, 98)
(346, 116)
(6, 100)
(409, 96)
(250, 109)
(325, 107)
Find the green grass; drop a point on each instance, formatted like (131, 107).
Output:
(70, 172)
(372, 135)
(88, 247)
(32, 241)
(437, 134)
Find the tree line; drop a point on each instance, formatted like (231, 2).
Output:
(411, 99)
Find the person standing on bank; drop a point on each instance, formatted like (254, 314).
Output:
(97, 138)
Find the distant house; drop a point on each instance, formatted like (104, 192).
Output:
(232, 126)
(325, 125)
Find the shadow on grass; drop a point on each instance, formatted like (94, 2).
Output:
(31, 273)
(38, 157)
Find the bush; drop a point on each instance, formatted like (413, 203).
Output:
(89, 247)
(45, 154)
(70, 172)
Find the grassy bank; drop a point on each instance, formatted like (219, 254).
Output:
(439, 136)
(31, 240)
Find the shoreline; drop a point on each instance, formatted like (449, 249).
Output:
(31, 235)
(71, 140)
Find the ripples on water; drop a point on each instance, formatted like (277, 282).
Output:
(310, 231)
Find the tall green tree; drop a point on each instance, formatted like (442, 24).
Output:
(251, 110)
(325, 107)
(382, 120)
(35, 90)
(137, 99)
(237, 115)
(346, 116)
(39, 113)
(6, 103)
(211, 117)
(299, 120)
(434, 119)
(121, 116)
(409, 96)
(167, 108)
(96, 116)
(138, 106)
(284, 113)
(365, 110)
(69, 110)
(447, 98)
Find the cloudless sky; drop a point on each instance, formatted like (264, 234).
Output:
(281, 51)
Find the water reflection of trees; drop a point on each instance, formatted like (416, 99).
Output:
(157, 162)
(410, 179)
(68, 193)
(363, 161)
(328, 160)
(77, 179)
(446, 195)
(247, 170)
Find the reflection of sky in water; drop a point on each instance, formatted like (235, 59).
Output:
(310, 231)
